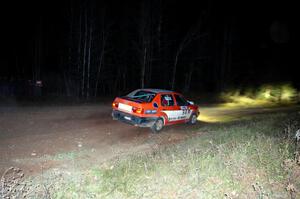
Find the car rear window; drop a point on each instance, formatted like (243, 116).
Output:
(141, 96)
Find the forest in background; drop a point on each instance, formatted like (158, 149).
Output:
(86, 49)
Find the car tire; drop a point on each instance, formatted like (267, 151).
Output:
(193, 119)
(157, 126)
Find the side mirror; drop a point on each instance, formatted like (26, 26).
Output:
(190, 102)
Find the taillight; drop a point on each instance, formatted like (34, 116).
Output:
(137, 110)
(115, 104)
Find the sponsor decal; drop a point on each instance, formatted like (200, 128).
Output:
(175, 115)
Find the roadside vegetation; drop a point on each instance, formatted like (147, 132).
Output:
(253, 158)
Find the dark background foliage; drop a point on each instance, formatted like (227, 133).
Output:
(93, 48)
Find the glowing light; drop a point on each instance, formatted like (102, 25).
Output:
(288, 93)
(266, 95)
(218, 114)
(206, 118)
(240, 104)
(214, 118)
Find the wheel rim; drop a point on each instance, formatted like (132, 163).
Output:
(159, 125)
(194, 119)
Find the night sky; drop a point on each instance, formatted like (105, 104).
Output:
(94, 48)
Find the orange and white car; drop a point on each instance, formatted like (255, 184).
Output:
(154, 108)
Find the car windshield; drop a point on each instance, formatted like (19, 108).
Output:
(141, 95)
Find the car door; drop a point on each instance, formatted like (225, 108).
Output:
(172, 112)
(182, 104)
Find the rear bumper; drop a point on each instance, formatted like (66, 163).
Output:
(133, 120)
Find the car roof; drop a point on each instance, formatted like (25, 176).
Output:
(155, 90)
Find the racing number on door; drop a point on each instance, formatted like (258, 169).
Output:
(185, 112)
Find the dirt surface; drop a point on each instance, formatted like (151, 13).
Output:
(36, 139)
(39, 138)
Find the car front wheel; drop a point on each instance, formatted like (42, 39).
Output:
(157, 126)
(193, 119)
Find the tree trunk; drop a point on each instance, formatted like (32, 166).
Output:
(174, 70)
(100, 61)
(71, 36)
(37, 53)
(143, 68)
(79, 44)
(79, 60)
(226, 58)
(89, 62)
(188, 78)
(84, 59)
(159, 32)
(98, 74)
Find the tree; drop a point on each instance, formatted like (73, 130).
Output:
(144, 45)
(36, 71)
(104, 34)
(223, 60)
(192, 35)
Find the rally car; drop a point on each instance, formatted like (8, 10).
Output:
(154, 108)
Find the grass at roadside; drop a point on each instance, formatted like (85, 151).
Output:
(245, 159)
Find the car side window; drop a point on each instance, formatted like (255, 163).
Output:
(167, 100)
(180, 101)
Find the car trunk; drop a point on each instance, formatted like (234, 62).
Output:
(128, 105)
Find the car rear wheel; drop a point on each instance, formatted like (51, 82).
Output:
(193, 119)
(157, 126)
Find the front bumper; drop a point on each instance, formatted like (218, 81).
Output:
(132, 119)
